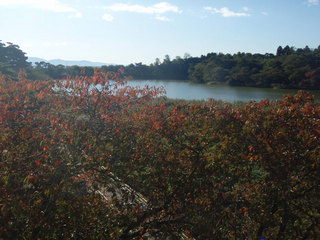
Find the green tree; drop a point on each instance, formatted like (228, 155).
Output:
(12, 59)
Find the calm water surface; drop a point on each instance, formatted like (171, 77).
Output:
(191, 91)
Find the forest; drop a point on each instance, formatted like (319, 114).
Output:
(89, 157)
(290, 67)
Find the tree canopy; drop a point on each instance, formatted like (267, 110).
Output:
(289, 68)
(12, 59)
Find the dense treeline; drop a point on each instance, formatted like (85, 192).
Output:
(288, 68)
(208, 170)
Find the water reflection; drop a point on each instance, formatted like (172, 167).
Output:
(190, 91)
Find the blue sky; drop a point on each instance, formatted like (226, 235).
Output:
(127, 31)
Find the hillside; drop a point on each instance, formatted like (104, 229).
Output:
(81, 63)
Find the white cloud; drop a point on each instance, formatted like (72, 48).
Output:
(225, 12)
(107, 17)
(313, 2)
(156, 9)
(159, 8)
(50, 5)
(264, 13)
(163, 18)
(54, 44)
(77, 15)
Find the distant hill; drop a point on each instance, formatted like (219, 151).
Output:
(82, 63)
(33, 60)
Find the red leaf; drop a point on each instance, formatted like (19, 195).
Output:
(121, 70)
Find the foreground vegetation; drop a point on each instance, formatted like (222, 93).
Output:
(209, 170)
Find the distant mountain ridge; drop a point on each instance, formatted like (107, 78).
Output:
(80, 63)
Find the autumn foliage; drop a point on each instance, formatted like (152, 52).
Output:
(207, 170)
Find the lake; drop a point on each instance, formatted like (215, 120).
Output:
(191, 91)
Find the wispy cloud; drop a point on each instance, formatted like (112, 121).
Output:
(107, 17)
(50, 5)
(226, 12)
(157, 9)
(313, 2)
